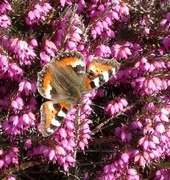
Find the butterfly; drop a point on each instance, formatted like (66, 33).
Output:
(64, 80)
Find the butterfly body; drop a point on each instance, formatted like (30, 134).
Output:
(64, 80)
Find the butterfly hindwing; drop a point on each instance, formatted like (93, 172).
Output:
(52, 116)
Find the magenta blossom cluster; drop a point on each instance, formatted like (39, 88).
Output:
(8, 157)
(47, 52)
(74, 134)
(153, 144)
(5, 20)
(115, 106)
(38, 13)
(119, 131)
(72, 39)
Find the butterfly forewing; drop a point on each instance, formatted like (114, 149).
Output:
(100, 71)
(64, 70)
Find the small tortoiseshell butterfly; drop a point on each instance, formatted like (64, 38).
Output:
(64, 80)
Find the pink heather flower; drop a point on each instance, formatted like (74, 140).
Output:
(17, 104)
(97, 30)
(16, 125)
(115, 106)
(99, 93)
(27, 87)
(136, 125)
(165, 23)
(44, 58)
(125, 157)
(166, 42)
(32, 104)
(1, 163)
(109, 14)
(144, 66)
(121, 8)
(27, 120)
(85, 133)
(13, 120)
(5, 21)
(71, 45)
(148, 144)
(144, 24)
(168, 16)
(150, 106)
(154, 142)
(15, 150)
(10, 157)
(1, 152)
(10, 178)
(86, 107)
(38, 13)
(161, 174)
(89, 58)
(3, 64)
(80, 48)
(68, 144)
(64, 2)
(136, 49)
(160, 128)
(22, 51)
(69, 124)
(28, 143)
(161, 117)
(62, 133)
(75, 35)
(118, 170)
(81, 6)
(102, 51)
(149, 86)
(72, 39)
(122, 75)
(59, 150)
(94, 10)
(57, 154)
(50, 48)
(165, 110)
(86, 176)
(33, 43)
(159, 65)
(121, 51)
(146, 31)
(101, 29)
(132, 174)
(51, 154)
(4, 7)
(142, 158)
(123, 133)
(48, 52)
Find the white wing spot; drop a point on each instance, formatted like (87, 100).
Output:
(56, 123)
(96, 82)
(61, 114)
(105, 76)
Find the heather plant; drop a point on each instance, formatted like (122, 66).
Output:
(122, 130)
